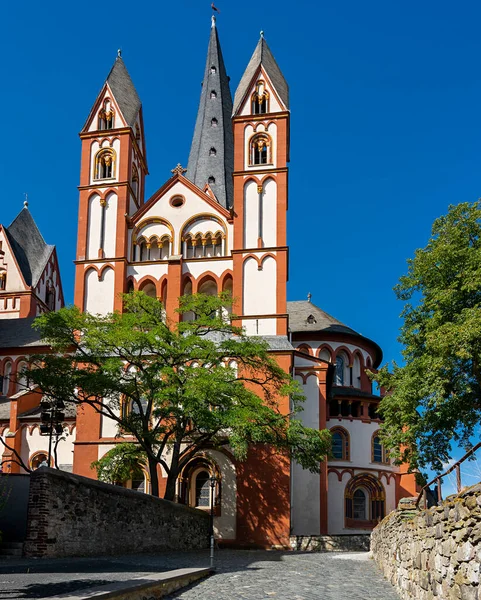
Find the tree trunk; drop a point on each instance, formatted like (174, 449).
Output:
(154, 478)
(173, 472)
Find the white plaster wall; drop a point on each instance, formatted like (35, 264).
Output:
(34, 442)
(360, 436)
(99, 295)
(260, 326)
(10, 307)
(109, 427)
(14, 279)
(225, 524)
(251, 215)
(269, 214)
(110, 225)
(306, 494)
(154, 270)
(197, 267)
(260, 287)
(158, 229)
(95, 217)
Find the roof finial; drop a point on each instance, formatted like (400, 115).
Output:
(119, 52)
(309, 296)
(213, 21)
(179, 170)
(262, 34)
(25, 203)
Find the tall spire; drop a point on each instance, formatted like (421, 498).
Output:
(211, 158)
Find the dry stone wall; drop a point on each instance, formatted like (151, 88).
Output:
(69, 515)
(435, 553)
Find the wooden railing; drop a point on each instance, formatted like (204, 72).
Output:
(438, 479)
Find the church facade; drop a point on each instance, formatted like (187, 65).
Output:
(218, 225)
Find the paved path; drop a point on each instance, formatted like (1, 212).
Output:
(241, 574)
(256, 575)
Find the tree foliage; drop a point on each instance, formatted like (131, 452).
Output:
(118, 464)
(175, 388)
(435, 399)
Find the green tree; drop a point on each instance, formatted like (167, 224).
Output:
(435, 398)
(175, 388)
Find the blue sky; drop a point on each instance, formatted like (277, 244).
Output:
(385, 131)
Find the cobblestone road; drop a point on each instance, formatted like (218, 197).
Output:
(255, 575)
(241, 575)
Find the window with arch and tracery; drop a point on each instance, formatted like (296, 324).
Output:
(260, 99)
(135, 182)
(364, 501)
(106, 117)
(378, 453)
(260, 150)
(105, 164)
(340, 444)
(341, 376)
(200, 485)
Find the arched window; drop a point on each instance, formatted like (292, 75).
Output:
(213, 70)
(260, 149)
(260, 99)
(137, 132)
(106, 116)
(105, 164)
(135, 181)
(340, 443)
(213, 152)
(378, 452)
(359, 505)
(213, 94)
(22, 376)
(211, 179)
(3, 280)
(325, 355)
(50, 296)
(200, 484)
(165, 247)
(149, 289)
(7, 374)
(364, 502)
(202, 489)
(356, 371)
(141, 250)
(130, 287)
(214, 122)
(343, 370)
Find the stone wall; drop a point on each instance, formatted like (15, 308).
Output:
(330, 543)
(434, 553)
(69, 515)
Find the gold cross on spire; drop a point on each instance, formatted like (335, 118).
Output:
(179, 169)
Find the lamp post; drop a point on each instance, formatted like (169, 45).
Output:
(52, 416)
(213, 482)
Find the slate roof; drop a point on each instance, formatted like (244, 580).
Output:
(124, 91)
(4, 409)
(202, 164)
(18, 333)
(262, 56)
(29, 247)
(299, 312)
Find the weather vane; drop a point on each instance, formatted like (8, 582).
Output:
(25, 202)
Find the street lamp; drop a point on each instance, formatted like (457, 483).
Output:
(52, 417)
(213, 482)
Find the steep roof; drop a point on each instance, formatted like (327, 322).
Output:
(29, 247)
(215, 106)
(262, 56)
(306, 317)
(18, 333)
(124, 91)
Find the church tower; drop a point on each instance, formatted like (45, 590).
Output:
(211, 158)
(261, 153)
(112, 177)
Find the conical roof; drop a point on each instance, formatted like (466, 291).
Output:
(262, 56)
(124, 91)
(211, 158)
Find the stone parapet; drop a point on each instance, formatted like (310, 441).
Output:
(435, 553)
(69, 515)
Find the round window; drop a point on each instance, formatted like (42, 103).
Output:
(177, 201)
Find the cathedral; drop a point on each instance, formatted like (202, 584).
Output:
(217, 225)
